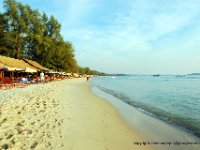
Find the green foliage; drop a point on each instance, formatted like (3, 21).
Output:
(4, 48)
(26, 33)
(88, 71)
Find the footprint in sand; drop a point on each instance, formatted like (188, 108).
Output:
(5, 146)
(23, 108)
(9, 136)
(42, 111)
(34, 145)
(61, 145)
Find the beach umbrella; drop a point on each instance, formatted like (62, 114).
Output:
(62, 73)
(75, 75)
(48, 71)
(68, 74)
(30, 70)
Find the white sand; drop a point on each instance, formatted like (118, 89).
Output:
(62, 115)
(27, 118)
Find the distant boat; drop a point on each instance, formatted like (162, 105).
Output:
(113, 77)
(156, 75)
(194, 74)
(179, 75)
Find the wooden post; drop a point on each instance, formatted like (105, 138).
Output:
(2, 74)
(12, 76)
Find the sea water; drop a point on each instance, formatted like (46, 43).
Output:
(173, 99)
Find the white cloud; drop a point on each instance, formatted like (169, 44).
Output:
(134, 35)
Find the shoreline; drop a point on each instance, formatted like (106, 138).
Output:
(103, 129)
(152, 128)
(63, 115)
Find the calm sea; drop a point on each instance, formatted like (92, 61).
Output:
(175, 99)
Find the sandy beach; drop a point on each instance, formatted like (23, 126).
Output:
(62, 115)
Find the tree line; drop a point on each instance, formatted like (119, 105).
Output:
(87, 70)
(27, 33)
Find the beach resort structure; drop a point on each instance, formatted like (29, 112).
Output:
(11, 66)
(19, 72)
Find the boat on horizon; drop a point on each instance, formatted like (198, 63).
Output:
(180, 75)
(156, 75)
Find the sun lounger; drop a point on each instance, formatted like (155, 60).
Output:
(7, 83)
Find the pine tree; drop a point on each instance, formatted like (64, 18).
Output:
(25, 32)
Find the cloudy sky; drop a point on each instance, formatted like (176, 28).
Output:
(130, 36)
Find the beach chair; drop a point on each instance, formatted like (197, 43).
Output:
(6, 83)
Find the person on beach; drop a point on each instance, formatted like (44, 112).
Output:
(42, 77)
(46, 78)
(87, 77)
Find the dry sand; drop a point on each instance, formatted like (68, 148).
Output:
(62, 115)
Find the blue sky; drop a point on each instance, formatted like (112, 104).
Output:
(130, 36)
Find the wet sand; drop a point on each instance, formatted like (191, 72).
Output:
(62, 115)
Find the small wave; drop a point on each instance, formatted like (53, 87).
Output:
(192, 77)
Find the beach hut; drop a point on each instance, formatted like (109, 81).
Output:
(2, 69)
(15, 63)
(52, 74)
(36, 65)
(11, 67)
